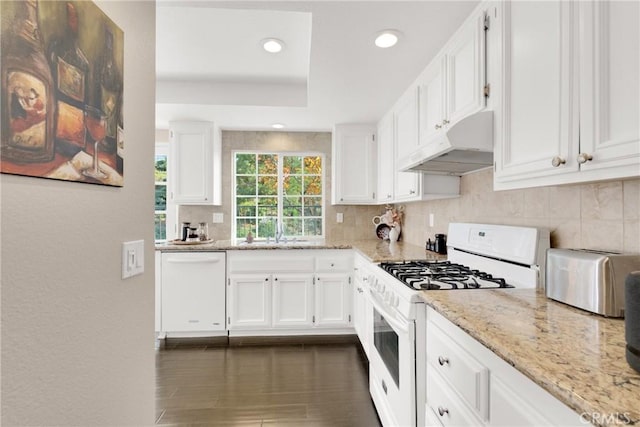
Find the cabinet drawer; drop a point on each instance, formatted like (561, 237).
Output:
(332, 263)
(270, 261)
(466, 375)
(446, 405)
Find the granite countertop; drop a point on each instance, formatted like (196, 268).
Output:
(576, 356)
(374, 250)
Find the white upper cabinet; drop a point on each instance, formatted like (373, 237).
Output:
(537, 122)
(386, 160)
(354, 164)
(465, 57)
(398, 126)
(194, 163)
(452, 86)
(569, 105)
(432, 100)
(610, 87)
(406, 123)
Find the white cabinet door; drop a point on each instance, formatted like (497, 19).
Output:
(407, 186)
(292, 296)
(406, 123)
(158, 292)
(359, 306)
(332, 300)
(386, 160)
(610, 87)
(249, 302)
(354, 164)
(193, 291)
(465, 56)
(432, 86)
(537, 130)
(192, 163)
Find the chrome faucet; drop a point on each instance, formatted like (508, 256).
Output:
(279, 231)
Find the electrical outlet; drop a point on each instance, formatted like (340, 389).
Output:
(339, 217)
(218, 218)
(432, 219)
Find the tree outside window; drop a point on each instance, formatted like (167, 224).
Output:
(272, 187)
(161, 195)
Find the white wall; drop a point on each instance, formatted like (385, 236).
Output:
(77, 341)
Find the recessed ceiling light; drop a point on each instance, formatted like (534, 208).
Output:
(277, 126)
(387, 38)
(272, 45)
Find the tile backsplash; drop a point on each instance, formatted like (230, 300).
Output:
(602, 215)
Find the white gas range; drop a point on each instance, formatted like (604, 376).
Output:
(480, 256)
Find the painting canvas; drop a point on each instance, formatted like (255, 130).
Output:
(62, 92)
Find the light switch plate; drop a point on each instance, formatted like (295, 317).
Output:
(218, 218)
(431, 219)
(339, 217)
(132, 258)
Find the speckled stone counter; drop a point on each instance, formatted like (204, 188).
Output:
(374, 250)
(577, 357)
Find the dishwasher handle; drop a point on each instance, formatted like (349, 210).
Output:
(193, 261)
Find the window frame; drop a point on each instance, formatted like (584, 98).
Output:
(280, 184)
(170, 212)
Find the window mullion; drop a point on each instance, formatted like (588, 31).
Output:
(280, 181)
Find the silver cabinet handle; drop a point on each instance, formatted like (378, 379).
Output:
(388, 196)
(443, 360)
(442, 411)
(445, 122)
(557, 161)
(412, 191)
(584, 158)
(438, 127)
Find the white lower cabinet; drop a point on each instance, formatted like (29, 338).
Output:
(361, 304)
(292, 298)
(467, 384)
(193, 292)
(289, 292)
(332, 300)
(249, 300)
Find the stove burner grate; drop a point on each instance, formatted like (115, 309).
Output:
(434, 275)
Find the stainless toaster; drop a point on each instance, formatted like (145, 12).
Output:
(588, 279)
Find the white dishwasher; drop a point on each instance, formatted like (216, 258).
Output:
(193, 293)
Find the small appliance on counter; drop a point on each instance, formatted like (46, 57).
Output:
(590, 280)
(439, 244)
(632, 319)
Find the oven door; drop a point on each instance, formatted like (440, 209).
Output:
(392, 381)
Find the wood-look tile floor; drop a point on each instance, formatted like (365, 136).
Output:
(323, 385)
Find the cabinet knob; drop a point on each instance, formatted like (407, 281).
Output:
(388, 196)
(266, 280)
(443, 360)
(557, 161)
(276, 279)
(438, 127)
(412, 191)
(442, 411)
(584, 158)
(445, 122)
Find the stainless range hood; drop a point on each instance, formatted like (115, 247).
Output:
(466, 146)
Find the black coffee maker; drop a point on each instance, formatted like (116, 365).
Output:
(439, 245)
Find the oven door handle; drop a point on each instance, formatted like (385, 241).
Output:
(399, 324)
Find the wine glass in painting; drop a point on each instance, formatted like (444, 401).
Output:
(95, 122)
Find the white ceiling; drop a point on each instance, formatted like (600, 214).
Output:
(210, 65)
